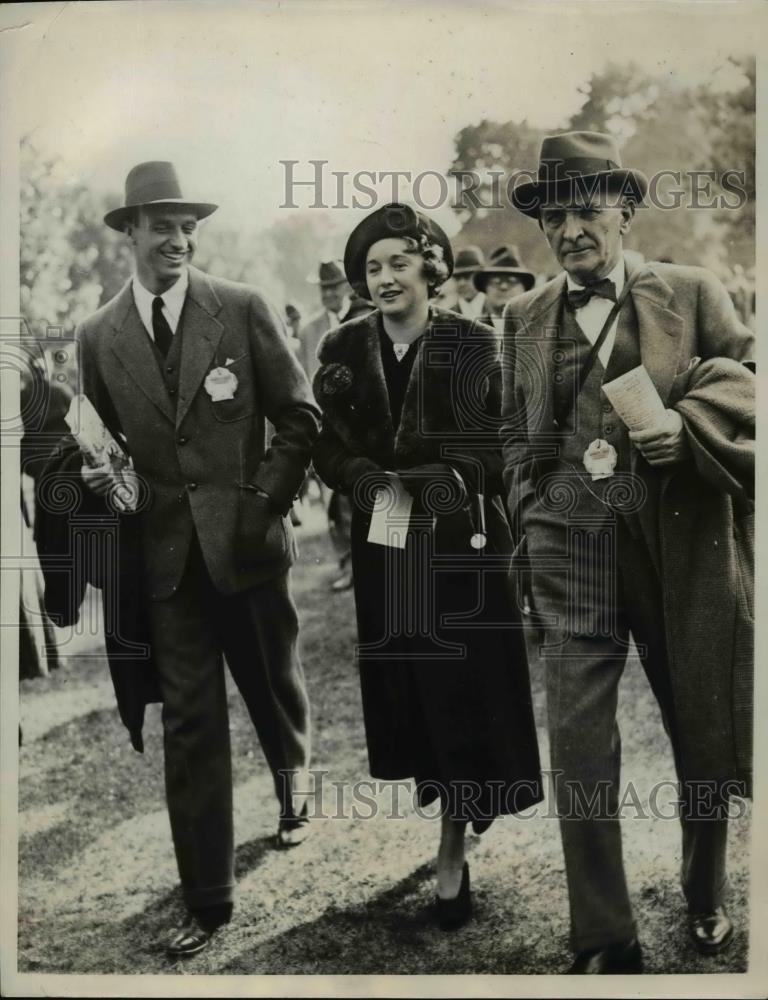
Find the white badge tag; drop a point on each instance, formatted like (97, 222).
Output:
(600, 459)
(391, 514)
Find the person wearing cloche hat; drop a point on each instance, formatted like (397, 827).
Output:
(470, 302)
(630, 548)
(410, 401)
(186, 369)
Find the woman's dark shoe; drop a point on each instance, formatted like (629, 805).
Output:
(453, 913)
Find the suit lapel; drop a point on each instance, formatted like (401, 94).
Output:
(201, 333)
(542, 326)
(659, 330)
(131, 344)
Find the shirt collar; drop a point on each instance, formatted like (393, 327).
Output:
(616, 276)
(173, 297)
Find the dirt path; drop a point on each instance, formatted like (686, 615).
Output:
(98, 892)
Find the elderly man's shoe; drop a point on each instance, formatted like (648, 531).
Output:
(712, 931)
(622, 959)
(189, 940)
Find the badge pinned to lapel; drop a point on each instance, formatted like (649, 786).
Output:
(220, 383)
(600, 459)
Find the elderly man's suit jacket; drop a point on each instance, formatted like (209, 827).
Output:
(200, 459)
(699, 357)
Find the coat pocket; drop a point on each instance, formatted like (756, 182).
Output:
(261, 533)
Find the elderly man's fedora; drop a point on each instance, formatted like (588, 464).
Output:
(154, 183)
(468, 260)
(504, 260)
(391, 220)
(574, 164)
(329, 273)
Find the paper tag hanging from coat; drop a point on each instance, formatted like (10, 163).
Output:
(391, 514)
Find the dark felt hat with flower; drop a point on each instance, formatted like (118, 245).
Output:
(389, 221)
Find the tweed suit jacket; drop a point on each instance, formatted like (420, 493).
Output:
(199, 459)
(683, 313)
(310, 336)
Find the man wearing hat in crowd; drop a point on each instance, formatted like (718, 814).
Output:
(469, 301)
(643, 531)
(339, 304)
(500, 280)
(185, 369)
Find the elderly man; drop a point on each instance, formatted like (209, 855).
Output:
(185, 369)
(640, 528)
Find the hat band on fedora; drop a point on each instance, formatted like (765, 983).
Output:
(575, 166)
(157, 191)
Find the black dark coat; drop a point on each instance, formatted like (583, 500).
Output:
(445, 687)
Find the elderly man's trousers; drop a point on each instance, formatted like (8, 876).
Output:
(609, 589)
(257, 631)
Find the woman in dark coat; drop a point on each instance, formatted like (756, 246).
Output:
(416, 391)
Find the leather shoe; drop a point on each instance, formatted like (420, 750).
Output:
(189, 940)
(452, 913)
(344, 582)
(622, 959)
(294, 830)
(711, 931)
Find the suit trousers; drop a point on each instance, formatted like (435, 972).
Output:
(585, 655)
(257, 631)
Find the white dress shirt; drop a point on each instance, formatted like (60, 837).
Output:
(173, 302)
(592, 316)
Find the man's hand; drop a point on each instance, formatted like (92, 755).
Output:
(98, 478)
(122, 488)
(663, 444)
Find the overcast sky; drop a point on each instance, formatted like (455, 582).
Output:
(226, 90)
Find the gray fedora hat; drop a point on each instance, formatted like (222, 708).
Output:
(504, 260)
(154, 183)
(576, 163)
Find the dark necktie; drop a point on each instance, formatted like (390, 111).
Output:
(579, 297)
(163, 333)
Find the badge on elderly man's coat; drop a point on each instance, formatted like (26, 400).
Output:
(220, 384)
(600, 459)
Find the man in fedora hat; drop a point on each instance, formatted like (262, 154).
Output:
(500, 280)
(339, 303)
(640, 527)
(185, 369)
(470, 302)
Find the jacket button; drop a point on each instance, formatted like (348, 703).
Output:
(169, 368)
(608, 429)
(171, 391)
(183, 440)
(607, 408)
(191, 486)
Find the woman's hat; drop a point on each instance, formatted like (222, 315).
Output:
(154, 183)
(577, 163)
(504, 260)
(394, 220)
(468, 260)
(329, 273)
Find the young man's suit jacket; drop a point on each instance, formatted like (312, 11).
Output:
(200, 459)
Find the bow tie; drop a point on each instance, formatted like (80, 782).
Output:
(579, 297)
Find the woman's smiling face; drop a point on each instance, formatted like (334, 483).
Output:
(395, 277)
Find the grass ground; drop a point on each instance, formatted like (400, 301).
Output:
(97, 877)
